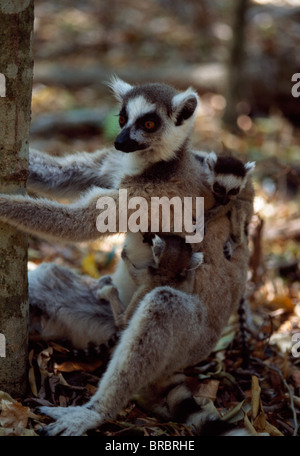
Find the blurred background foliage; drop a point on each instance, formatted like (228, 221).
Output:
(242, 70)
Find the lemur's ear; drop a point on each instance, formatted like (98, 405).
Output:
(211, 160)
(158, 246)
(119, 87)
(249, 167)
(184, 105)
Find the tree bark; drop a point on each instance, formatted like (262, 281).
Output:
(16, 64)
(236, 69)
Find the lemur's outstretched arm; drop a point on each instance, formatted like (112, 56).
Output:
(72, 222)
(71, 175)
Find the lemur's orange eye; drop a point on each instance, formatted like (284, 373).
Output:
(122, 121)
(149, 124)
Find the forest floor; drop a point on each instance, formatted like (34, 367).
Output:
(257, 386)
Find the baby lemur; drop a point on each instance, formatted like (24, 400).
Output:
(173, 264)
(170, 329)
(228, 179)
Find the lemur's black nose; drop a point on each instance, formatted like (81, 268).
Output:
(124, 143)
(223, 200)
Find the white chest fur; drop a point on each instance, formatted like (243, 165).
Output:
(141, 256)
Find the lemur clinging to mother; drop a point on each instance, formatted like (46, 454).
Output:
(228, 179)
(170, 329)
(173, 264)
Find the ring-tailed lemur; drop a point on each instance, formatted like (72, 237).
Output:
(173, 264)
(170, 329)
(53, 316)
(228, 179)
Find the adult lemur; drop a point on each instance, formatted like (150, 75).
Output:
(170, 330)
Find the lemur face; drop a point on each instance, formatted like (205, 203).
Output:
(153, 117)
(226, 176)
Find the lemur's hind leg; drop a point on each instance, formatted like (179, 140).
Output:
(65, 305)
(166, 318)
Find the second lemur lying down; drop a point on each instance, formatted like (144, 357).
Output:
(173, 264)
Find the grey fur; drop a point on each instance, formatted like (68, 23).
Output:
(71, 175)
(65, 305)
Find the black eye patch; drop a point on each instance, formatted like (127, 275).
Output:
(234, 191)
(123, 115)
(150, 119)
(219, 188)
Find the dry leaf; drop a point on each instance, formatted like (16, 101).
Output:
(224, 341)
(6, 397)
(207, 406)
(237, 412)
(32, 381)
(282, 301)
(17, 432)
(89, 266)
(59, 348)
(249, 426)
(70, 366)
(31, 375)
(43, 359)
(255, 398)
(208, 389)
(91, 389)
(13, 415)
(258, 419)
(272, 430)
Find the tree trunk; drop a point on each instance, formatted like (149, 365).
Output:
(236, 76)
(16, 64)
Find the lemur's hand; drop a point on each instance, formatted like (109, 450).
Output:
(72, 421)
(104, 280)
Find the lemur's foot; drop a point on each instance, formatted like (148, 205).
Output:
(70, 420)
(108, 292)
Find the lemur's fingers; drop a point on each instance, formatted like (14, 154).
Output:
(72, 421)
(158, 245)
